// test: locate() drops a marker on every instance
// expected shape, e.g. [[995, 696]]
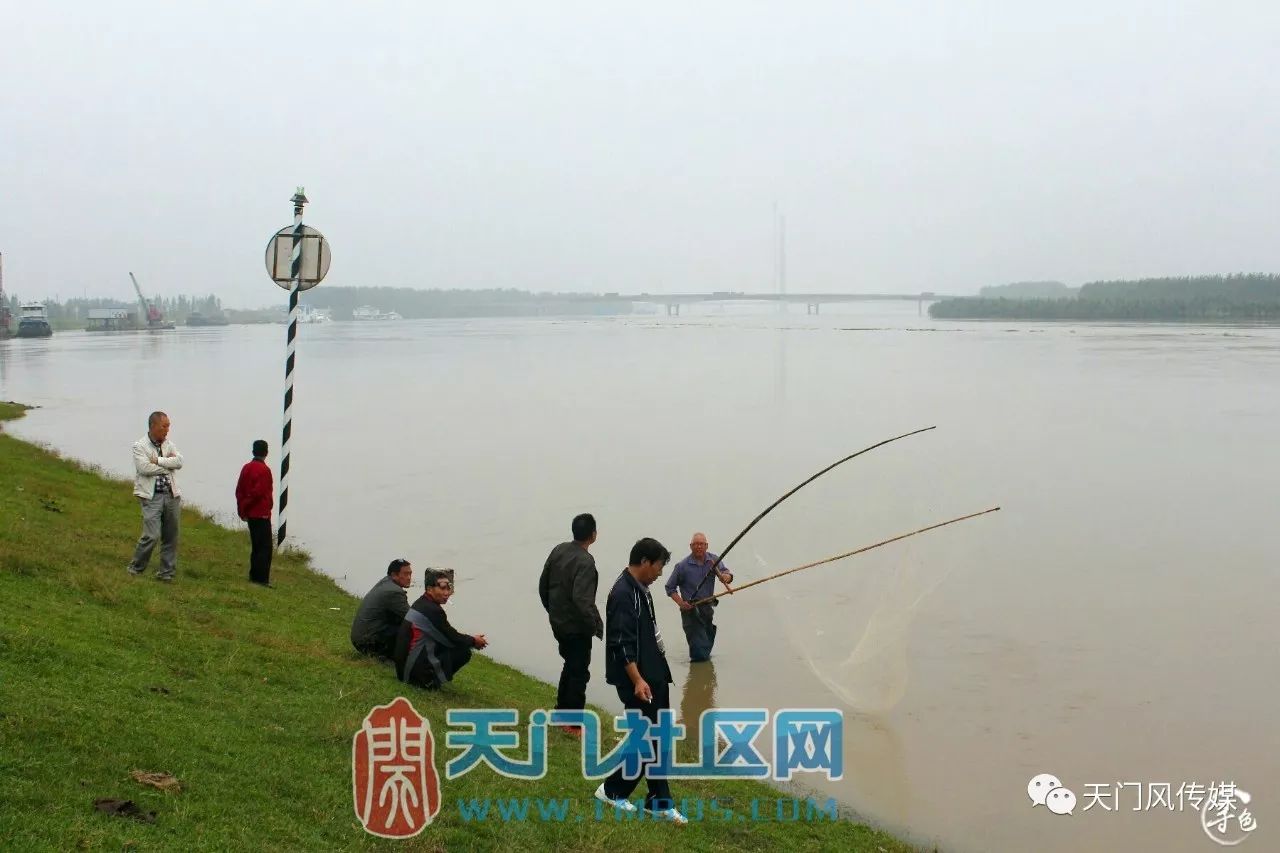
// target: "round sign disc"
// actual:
[[315, 258]]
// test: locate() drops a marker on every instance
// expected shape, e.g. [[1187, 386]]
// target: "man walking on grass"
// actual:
[[637, 667]]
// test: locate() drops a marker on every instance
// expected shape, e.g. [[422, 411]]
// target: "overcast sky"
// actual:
[[640, 147]]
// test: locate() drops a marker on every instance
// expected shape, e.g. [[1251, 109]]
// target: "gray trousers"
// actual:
[[700, 630], [160, 516]]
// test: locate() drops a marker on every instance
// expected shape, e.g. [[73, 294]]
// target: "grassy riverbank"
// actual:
[[249, 696]]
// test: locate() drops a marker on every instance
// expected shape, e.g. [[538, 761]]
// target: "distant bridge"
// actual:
[[812, 301]]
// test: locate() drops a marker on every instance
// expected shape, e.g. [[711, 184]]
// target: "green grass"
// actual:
[[249, 696]]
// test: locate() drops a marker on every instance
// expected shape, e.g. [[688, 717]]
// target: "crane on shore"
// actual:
[[152, 313]]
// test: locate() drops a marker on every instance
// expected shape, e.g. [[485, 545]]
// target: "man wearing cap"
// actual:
[[373, 632], [429, 651]]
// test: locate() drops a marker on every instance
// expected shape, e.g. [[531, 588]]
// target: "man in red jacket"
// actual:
[[253, 501]]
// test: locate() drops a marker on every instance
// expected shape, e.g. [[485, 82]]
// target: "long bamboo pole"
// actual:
[[771, 506], [846, 554]]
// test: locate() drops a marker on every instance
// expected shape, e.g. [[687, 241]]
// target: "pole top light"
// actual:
[[307, 242]]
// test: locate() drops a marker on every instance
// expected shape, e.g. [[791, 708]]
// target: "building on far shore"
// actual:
[[112, 320]]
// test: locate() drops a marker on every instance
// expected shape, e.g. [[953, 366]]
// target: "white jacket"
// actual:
[[144, 485]]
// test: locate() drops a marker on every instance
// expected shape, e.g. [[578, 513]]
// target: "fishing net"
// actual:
[[852, 630], [852, 623]]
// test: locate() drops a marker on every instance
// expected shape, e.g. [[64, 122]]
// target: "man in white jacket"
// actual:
[[156, 488]]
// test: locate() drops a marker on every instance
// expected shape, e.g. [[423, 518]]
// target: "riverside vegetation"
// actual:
[[249, 697], [1240, 298]]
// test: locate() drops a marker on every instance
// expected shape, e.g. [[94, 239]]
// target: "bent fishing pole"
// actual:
[[847, 554], [771, 506]]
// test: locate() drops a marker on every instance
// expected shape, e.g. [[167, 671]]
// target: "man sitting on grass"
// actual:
[[429, 651], [377, 622]]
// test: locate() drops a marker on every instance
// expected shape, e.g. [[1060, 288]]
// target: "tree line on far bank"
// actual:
[[1241, 297], [341, 302]]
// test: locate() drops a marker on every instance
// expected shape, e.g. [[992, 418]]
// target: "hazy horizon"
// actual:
[[579, 148]]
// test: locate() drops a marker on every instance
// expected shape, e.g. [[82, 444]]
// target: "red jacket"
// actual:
[[253, 491]]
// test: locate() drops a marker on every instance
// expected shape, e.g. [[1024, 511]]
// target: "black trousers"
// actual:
[[384, 646], [451, 660], [575, 649], [618, 788], [260, 553]]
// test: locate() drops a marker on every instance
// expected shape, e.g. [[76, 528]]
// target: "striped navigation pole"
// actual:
[[297, 259], [291, 344]]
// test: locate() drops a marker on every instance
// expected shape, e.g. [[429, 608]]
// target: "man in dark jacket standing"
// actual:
[[636, 665], [429, 651], [377, 622], [254, 495], [568, 591]]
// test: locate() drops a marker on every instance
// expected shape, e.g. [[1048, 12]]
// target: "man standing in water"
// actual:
[[568, 592], [636, 665], [155, 459], [691, 580]]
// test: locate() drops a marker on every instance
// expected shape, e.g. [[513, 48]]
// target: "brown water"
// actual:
[[1115, 622]]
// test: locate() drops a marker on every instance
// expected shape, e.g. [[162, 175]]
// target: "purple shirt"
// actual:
[[688, 572]]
